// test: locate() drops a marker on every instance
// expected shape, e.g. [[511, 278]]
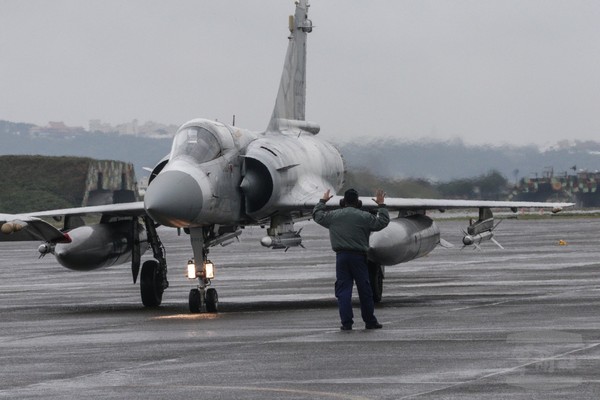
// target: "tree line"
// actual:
[[489, 186]]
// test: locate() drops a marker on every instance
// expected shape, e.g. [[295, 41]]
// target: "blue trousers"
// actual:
[[350, 268]]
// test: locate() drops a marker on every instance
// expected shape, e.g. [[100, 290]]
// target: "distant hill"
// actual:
[[141, 151], [395, 159], [444, 161]]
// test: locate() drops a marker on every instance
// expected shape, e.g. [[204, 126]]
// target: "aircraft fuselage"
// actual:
[[219, 174]]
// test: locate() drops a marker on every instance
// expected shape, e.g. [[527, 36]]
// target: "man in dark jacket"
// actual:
[[349, 229]]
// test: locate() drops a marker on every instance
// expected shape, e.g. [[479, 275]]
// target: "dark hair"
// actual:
[[351, 198]]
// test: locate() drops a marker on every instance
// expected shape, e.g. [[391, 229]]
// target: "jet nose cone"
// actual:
[[173, 198]]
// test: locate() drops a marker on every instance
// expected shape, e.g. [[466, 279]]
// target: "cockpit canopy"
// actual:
[[196, 142]]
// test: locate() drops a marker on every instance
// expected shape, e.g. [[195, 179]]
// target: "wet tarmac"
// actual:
[[519, 323]]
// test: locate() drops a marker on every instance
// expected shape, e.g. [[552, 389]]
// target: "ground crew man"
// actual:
[[349, 229]]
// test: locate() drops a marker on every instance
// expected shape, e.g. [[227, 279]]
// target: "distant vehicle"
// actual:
[[218, 179]]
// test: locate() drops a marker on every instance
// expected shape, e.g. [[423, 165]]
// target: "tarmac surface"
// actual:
[[519, 323]]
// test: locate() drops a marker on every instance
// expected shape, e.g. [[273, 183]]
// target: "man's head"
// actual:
[[351, 198]]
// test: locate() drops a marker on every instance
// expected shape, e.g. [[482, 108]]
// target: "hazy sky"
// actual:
[[495, 71]]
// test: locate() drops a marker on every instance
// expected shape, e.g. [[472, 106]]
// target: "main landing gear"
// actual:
[[202, 269], [153, 279]]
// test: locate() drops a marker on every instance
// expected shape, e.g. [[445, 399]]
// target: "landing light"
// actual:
[[208, 271], [191, 270]]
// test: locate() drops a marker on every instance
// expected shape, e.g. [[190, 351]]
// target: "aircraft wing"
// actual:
[[395, 203], [416, 204], [124, 209], [25, 228], [29, 226]]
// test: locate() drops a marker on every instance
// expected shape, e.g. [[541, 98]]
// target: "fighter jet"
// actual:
[[218, 179]]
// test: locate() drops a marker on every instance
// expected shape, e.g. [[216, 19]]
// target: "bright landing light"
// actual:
[[191, 271], [209, 270]]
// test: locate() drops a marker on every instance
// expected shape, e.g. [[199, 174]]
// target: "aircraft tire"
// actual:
[[212, 300], [376, 279], [195, 301], [150, 284]]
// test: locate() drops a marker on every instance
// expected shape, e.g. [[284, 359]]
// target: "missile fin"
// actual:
[[496, 243]]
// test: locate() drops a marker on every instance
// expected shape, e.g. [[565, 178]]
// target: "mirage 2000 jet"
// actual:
[[219, 178]]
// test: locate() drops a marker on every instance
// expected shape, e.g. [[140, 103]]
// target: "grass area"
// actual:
[[36, 183]]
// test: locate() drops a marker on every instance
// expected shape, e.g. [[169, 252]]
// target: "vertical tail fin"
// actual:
[[290, 103]]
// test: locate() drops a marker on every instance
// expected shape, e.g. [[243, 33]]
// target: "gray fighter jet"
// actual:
[[219, 178]]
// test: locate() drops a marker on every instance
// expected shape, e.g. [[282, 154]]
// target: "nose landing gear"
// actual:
[[201, 295], [203, 269]]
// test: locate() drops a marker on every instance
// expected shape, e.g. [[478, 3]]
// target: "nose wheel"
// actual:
[[195, 301], [208, 297], [212, 300]]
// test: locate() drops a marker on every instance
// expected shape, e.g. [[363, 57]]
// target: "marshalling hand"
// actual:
[[379, 197], [326, 196]]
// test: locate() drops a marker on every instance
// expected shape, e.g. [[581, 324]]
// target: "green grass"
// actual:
[[36, 183]]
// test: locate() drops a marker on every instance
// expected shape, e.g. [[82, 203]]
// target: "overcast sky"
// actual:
[[495, 71]]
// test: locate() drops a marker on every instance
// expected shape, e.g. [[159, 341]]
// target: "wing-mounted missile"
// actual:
[[281, 234], [283, 240], [224, 236], [481, 230]]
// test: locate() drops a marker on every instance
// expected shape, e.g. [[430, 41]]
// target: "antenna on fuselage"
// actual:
[[233, 123]]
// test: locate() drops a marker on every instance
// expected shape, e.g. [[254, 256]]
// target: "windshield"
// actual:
[[195, 142]]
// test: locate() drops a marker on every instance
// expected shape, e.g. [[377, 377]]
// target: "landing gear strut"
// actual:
[[153, 280], [202, 269]]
